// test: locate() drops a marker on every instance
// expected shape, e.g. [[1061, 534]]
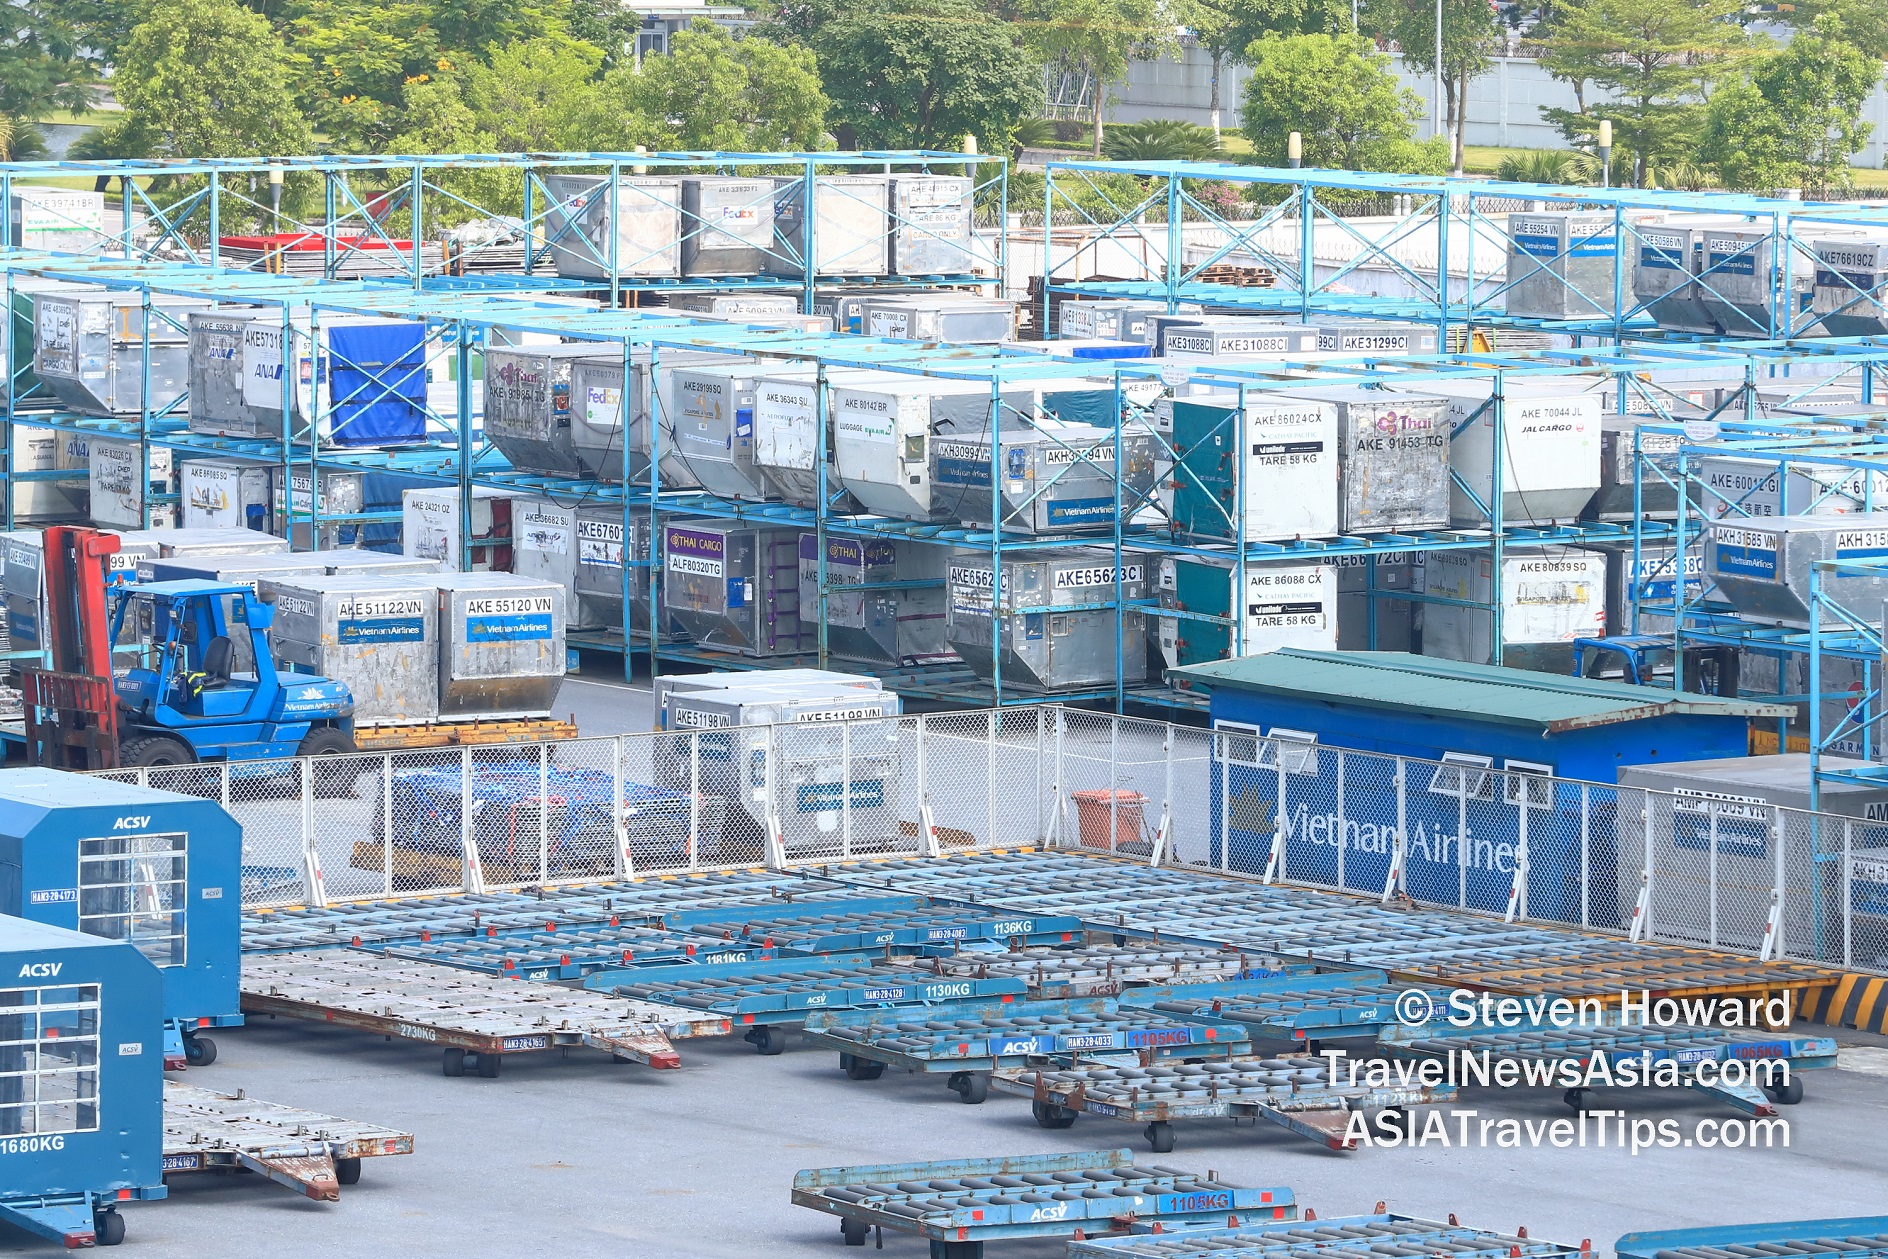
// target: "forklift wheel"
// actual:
[[153, 750], [333, 778]]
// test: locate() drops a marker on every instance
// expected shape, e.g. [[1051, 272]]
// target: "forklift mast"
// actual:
[[71, 707]]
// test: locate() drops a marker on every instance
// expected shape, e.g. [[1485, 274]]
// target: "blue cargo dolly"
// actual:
[[1107, 970], [960, 1204], [768, 997], [1295, 1093], [842, 928], [296, 929], [573, 952], [1378, 1234], [1305, 1007], [1858, 1237], [969, 1040], [1634, 1048]]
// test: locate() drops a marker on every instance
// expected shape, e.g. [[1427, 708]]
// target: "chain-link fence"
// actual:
[[1459, 833]]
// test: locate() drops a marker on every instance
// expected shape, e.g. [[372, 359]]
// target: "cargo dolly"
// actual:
[[556, 952], [768, 998], [969, 1040], [1106, 970], [311, 1153], [465, 1013], [1301, 1007], [298, 928], [960, 1204], [842, 929], [1295, 1093], [1633, 1047], [1858, 1237], [1344, 1237]]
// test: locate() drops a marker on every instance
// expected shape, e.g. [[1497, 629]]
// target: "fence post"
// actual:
[[1517, 890], [1642, 912], [314, 883], [694, 797], [1163, 834], [544, 811], [1848, 893], [471, 864], [223, 784], [1392, 881], [1275, 863], [845, 788], [1225, 800], [990, 775], [625, 859], [927, 823], [775, 841], [386, 821], [1343, 838], [1773, 928], [1586, 845], [1059, 810], [1042, 830]]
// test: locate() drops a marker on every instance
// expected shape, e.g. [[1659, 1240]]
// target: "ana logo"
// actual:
[[132, 822], [41, 970]]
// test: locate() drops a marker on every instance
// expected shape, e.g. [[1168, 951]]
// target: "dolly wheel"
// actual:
[[109, 1228], [854, 1232], [1049, 1115], [454, 1064], [971, 1086], [770, 1041], [199, 1051], [347, 1171], [1160, 1137], [863, 1068], [1785, 1094], [488, 1066], [1576, 1098]]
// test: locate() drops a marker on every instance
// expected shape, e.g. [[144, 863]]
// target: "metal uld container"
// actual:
[[241, 569], [735, 589], [1041, 647], [581, 549], [1057, 478], [120, 483], [53, 499], [1392, 459], [711, 416], [1285, 605], [1762, 566], [652, 410], [1550, 597], [1367, 336], [1736, 487], [845, 307], [529, 403], [882, 431], [342, 493], [501, 645], [727, 225], [860, 624], [364, 376], [1851, 284], [224, 494], [821, 755], [1561, 264], [1280, 484], [787, 423], [216, 371], [1119, 320], [689, 683], [931, 225], [379, 635], [944, 318], [1550, 452], [430, 521], [1650, 582], [648, 235], [1737, 271], [851, 225], [89, 349], [730, 305], [1657, 496], [57, 220], [1665, 272]]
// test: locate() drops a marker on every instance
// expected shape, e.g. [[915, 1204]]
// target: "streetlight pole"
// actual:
[[1439, 76], [1605, 147]]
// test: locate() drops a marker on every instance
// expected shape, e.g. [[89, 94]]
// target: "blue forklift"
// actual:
[[182, 702]]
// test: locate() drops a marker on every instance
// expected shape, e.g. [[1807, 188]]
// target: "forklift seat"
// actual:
[[217, 659]]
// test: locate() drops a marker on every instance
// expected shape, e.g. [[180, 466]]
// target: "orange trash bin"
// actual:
[[1107, 819]]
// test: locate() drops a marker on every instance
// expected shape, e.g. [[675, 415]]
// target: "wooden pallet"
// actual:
[[461, 734]]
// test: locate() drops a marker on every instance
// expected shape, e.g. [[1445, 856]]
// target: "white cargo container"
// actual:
[[1549, 597], [712, 413], [501, 645], [1272, 471], [1550, 451], [1735, 488], [883, 431], [1762, 566], [430, 528], [851, 225], [377, 634], [647, 215], [120, 491], [787, 422], [931, 226], [1284, 605], [224, 494]]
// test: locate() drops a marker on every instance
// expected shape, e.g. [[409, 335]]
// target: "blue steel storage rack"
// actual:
[[959, 1204], [460, 312], [126, 862], [81, 1083]]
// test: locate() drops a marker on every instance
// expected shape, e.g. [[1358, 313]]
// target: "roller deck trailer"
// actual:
[[463, 1012], [958, 1205], [558, 952], [1858, 1237], [1302, 1007], [1106, 970], [1631, 1048], [767, 998], [296, 928], [1295, 1093], [1432, 945], [1343, 1237], [968, 1040], [844, 928], [311, 1153]]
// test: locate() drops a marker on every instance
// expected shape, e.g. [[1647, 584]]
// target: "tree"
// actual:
[[1096, 39], [716, 92], [1226, 28], [1339, 93], [1471, 33], [1655, 59], [539, 94], [204, 78], [924, 74], [351, 59], [1864, 22], [1797, 119], [1160, 140], [42, 67]]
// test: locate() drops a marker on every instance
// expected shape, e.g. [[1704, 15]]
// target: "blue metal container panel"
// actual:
[[377, 389], [48, 817], [107, 997]]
